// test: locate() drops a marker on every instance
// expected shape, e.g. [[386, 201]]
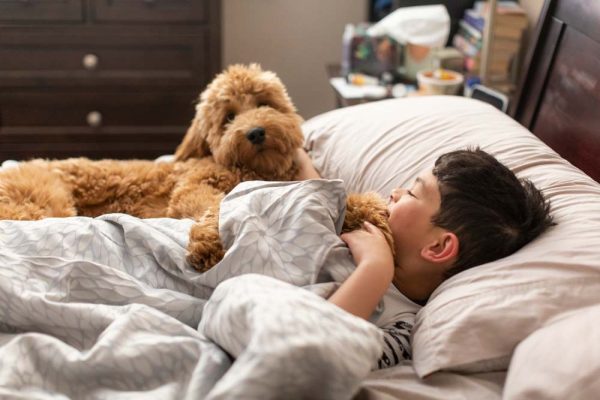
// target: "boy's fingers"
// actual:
[[349, 236], [346, 237], [369, 226]]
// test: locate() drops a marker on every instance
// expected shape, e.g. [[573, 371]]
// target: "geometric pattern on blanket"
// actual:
[[287, 341], [108, 308], [286, 230]]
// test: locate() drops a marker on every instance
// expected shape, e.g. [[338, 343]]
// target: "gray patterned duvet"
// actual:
[[108, 307]]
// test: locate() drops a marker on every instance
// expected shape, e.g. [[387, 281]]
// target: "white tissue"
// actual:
[[423, 25]]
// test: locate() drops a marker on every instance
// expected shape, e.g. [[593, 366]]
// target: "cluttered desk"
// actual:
[[405, 54], [354, 90]]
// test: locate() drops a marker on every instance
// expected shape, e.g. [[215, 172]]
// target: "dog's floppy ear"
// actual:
[[193, 144]]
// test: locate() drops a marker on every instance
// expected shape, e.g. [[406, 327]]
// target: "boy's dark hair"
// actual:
[[491, 211]]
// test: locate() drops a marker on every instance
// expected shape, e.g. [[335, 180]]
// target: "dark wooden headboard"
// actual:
[[559, 94]]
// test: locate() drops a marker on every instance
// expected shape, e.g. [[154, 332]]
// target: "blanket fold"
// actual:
[[108, 308]]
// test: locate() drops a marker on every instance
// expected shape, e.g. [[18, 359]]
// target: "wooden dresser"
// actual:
[[102, 78]]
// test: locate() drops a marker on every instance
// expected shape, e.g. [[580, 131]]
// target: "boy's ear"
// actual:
[[444, 249]]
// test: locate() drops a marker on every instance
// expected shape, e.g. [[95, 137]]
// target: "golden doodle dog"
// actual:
[[245, 128]]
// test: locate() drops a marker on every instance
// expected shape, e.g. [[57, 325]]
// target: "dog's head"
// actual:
[[245, 119]]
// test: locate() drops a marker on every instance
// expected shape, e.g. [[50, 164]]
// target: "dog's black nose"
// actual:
[[256, 135]]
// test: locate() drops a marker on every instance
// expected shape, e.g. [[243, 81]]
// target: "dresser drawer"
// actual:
[[18, 11], [62, 124], [149, 10], [97, 111], [145, 142], [46, 58]]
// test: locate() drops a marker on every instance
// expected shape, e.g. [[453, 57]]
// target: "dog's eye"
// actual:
[[230, 117]]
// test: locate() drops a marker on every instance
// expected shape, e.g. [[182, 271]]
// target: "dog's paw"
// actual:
[[362, 207], [203, 259], [370, 207], [204, 248]]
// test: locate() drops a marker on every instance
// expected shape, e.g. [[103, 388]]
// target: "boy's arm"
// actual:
[[305, 166], [362, 291], [396, 337]]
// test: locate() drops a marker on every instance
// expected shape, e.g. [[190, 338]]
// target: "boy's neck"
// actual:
[[417, 290]]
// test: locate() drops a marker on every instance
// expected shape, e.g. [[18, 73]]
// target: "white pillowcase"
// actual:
[[559, 361], [474, 320]]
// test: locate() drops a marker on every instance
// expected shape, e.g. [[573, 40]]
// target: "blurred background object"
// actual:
[[266, 32], [421, 30], [380, 8], [493, 50]]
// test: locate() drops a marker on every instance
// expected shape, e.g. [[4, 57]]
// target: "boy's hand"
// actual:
[[364, 288], [369, 245]]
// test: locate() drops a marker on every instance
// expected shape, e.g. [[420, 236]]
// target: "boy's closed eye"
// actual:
[[398, 193]]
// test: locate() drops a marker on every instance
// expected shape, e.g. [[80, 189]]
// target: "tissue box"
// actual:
[[371, 55]]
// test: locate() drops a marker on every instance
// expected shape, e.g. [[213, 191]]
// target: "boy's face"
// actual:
[[411, 211]]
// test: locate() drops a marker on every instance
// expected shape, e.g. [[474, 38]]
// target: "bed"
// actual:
[[108, 308]]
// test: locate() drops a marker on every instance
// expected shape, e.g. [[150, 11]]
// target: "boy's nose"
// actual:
[[396, 194]]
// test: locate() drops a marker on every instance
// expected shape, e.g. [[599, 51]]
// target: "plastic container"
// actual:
[[440, 82]]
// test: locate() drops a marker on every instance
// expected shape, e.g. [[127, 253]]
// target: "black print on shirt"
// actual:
[[396, 344]]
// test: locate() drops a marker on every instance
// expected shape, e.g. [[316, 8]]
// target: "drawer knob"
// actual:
[[94, 119], [90, 61]]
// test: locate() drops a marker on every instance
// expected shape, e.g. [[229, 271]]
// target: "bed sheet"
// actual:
[[402, 382]]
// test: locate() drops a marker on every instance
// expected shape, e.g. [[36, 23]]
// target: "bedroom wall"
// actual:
[[296, 39]]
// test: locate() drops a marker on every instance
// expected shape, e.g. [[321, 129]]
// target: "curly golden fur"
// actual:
[[370, 207], [245, 127]]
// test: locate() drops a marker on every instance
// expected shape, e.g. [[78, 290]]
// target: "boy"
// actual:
[[469, 210]]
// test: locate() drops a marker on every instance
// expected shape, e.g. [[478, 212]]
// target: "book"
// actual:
[[468, 29], [503, 49], [474, 19], [510, 22], [509, 16], [465, 46], [470, 34]]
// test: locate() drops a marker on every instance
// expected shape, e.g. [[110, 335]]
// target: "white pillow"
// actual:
[[559, 361], [474, 320]]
